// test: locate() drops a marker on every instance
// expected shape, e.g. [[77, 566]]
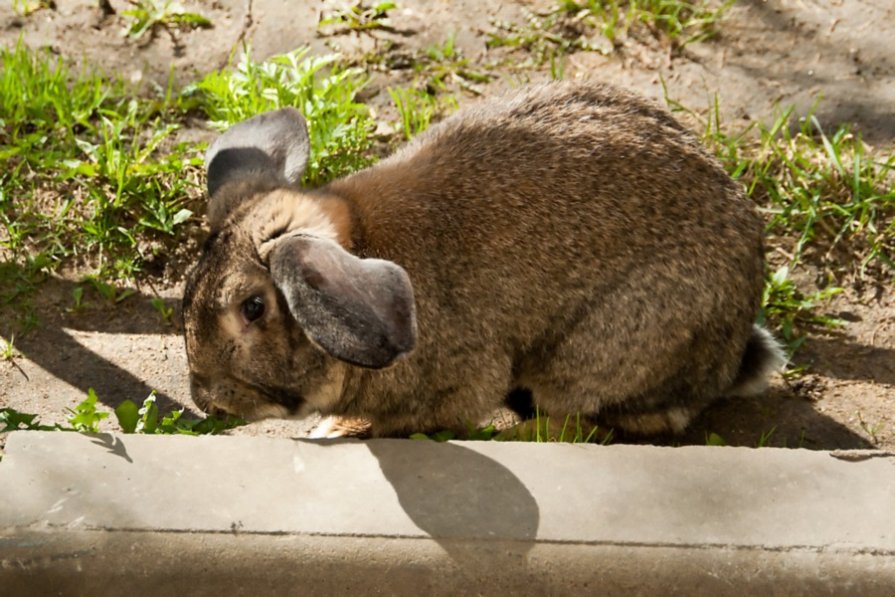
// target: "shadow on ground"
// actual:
[[54, 345], [780, 419]]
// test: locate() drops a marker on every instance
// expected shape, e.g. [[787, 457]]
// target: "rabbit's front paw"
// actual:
[[335, 426]]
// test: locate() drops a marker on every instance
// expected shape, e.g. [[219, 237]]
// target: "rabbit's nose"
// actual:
[[203, 396]]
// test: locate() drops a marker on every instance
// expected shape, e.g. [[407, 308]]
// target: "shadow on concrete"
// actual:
[[468, 503], [113, 444]]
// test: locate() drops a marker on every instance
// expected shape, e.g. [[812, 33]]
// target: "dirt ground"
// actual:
[[770, 53]]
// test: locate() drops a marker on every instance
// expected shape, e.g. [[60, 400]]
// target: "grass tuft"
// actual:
[[417, 108], [443, 65], [92, 176], [27, 7], [357, 17], [603, 25], [148, 16], [321, 87], [541, 429], [831, 192], [792, 312]]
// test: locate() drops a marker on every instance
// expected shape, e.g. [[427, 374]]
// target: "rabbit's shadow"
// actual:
[[460, 497]]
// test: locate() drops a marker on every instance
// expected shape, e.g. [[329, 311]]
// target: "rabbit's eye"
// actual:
[[252, 308]]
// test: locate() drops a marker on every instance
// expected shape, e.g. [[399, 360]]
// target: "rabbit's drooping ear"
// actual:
[[358, 310], [263, 152]]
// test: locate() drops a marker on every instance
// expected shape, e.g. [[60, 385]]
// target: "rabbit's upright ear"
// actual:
[[357, 310], [264, 152]]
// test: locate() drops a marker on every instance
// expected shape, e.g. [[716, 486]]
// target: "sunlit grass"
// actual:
[[321, 87], [90, 167], [604, 25]]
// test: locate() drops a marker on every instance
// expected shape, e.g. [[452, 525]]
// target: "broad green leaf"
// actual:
[[128, 415]]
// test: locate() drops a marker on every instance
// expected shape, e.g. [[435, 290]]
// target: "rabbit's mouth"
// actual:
[[249, 401], [262, 404], [285, 398]]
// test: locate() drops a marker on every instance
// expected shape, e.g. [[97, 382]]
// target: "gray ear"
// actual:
[[266, 151], [358, 310]]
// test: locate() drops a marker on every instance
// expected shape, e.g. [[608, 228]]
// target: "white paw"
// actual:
[[335, 426]]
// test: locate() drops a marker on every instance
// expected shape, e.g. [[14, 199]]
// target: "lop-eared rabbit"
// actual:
[[573, 240]]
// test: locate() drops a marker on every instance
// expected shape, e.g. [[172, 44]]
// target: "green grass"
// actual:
[[832, 193], [92, 175], [357, 16], [547, 36], [86, 417], [443, 66], [7, 348], [438, 71], [26, 7], [417, 108], [95, 182], [321, 87], [763, 440], [682, 21], [872, 430], [829, 202], [792, 312], [542, 429], [166, 313]]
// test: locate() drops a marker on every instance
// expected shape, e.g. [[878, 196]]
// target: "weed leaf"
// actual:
[[128, 415], [84, 417]]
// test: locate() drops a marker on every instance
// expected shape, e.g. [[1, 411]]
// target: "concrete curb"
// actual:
[[242, 515]]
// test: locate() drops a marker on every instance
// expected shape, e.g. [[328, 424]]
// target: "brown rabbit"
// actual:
[[570, 239]]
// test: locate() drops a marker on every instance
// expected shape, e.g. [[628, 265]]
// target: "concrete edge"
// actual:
[[96, 562], [86, 514]]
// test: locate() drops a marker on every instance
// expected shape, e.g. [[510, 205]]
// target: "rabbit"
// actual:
[[569, 239]]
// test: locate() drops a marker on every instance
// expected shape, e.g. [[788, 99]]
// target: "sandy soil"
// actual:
[[768, 54]]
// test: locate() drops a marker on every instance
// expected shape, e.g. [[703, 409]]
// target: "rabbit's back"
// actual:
[[574, 161], [564, 184]]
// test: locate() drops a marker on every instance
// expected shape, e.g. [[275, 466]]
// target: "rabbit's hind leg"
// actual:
[[636, 382], [672, 420]]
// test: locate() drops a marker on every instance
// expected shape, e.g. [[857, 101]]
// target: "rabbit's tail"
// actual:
[[762, 357]]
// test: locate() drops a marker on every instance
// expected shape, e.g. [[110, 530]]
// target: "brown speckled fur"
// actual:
[[570, 239]]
